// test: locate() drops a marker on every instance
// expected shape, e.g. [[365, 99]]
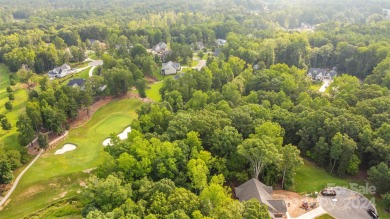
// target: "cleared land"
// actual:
[[54, 177]]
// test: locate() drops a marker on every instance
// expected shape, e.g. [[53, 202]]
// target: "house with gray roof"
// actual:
[[170, 68], [319, 74], [254, 189], [160, 47]]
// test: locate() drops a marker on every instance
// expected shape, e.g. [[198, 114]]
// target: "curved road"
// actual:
[[4, 199]]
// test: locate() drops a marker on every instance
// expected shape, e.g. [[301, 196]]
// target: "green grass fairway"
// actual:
[[56, 176], [154, 91], [8, 139]]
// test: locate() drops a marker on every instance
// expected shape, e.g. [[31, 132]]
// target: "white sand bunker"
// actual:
[[66, 148], [107, 142], [121, 136]]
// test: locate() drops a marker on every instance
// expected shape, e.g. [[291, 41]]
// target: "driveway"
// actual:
[[200, 65], [326, 83], [313, 213], [94, 64], [346, 204]]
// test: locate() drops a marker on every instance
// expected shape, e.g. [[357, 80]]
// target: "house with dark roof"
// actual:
[[254, 189], [76, 83], [160, 47], [170, 68], [319, 74]]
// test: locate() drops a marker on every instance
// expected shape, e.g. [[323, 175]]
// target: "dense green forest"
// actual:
[[250, 112]]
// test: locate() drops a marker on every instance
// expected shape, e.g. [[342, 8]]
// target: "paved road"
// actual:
[[2, 201]]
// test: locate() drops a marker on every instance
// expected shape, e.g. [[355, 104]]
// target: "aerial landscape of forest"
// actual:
[[194, 109]]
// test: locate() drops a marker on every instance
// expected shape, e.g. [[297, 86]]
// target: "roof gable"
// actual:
[[78, 81]]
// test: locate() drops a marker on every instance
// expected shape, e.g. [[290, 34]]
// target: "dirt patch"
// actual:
[[294, 201], [31, 191], [136, 96], [150, 80], [61, 196]]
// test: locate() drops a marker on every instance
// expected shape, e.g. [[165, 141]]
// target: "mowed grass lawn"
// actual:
[[83, 74], [8, 139], [154, 91], [57, 176]]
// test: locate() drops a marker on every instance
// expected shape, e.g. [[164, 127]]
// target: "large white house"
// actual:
[[61, 71], [170, 68], [319, 74]]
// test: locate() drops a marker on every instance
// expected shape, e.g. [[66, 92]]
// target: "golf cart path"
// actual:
[[16, 182], [18, 178]]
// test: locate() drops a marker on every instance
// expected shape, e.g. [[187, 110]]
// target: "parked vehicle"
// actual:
[[328, 192], [372, 214]]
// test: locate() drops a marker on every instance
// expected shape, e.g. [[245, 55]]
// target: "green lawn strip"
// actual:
[[316, 85], [8, 139], [4, 77], [194, 63], [79, 64], [311, 178], [92, 55], [83, 74], [154, 91], [112, 118], [325, 216]]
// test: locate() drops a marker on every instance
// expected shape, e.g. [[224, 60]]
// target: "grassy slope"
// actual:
[[315, 86], [8, 139], [311, 178], [53, 175], [154, 91]]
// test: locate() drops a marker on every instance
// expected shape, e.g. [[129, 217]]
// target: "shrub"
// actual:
[[386, 201], [11, 96], [9, 89], [8, 105]]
